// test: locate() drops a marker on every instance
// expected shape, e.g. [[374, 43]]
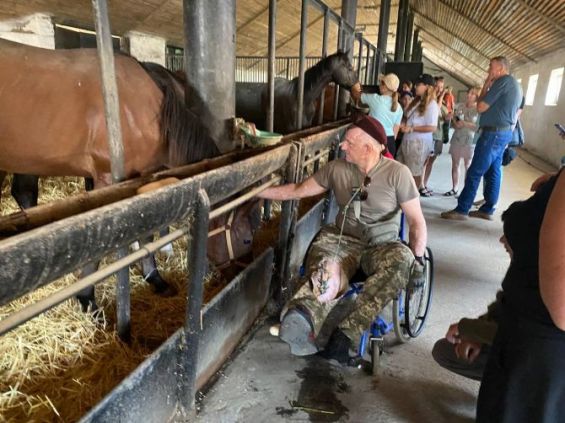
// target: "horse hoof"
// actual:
[[166, 290]]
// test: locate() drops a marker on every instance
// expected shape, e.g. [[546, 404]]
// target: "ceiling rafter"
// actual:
[[429, 34], [421, 14], [445, 68], [542, 16], [485, 31]]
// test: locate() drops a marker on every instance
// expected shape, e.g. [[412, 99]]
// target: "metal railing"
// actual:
[[255, 68]]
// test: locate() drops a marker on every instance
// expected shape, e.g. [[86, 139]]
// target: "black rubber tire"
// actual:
[[417, 304]]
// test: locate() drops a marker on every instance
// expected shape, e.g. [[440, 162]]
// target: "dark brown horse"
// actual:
[[252, 98], [52, 119]]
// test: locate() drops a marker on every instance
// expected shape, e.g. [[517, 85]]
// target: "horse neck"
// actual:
[[315, 80]]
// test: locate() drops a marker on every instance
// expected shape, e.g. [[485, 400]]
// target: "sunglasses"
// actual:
[[363, 194]]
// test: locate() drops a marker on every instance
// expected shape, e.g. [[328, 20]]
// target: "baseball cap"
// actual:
[[390, 80], [425, 78]]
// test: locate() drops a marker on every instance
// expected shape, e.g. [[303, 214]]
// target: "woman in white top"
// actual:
[[421, 121], [384, 106], [465, 116]]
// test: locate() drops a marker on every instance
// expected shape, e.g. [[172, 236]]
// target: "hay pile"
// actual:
[[60, 364]]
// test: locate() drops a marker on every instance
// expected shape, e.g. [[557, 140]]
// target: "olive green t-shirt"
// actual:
[[379, 215]]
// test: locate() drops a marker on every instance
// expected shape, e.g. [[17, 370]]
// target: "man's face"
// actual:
[[354, 146], [494, 69]]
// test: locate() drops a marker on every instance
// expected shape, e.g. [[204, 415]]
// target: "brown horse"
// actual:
[[52, 120], [52, 115]]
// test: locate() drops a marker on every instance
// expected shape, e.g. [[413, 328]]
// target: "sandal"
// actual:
[[430, 191], [424, 192], [450, 193]]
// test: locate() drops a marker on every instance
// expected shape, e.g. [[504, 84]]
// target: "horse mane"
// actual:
[[186, 136], [321, 71]]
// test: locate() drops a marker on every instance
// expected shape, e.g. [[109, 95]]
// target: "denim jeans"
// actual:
[[487, 163]]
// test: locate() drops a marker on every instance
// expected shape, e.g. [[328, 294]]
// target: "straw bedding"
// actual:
[[60, 364]]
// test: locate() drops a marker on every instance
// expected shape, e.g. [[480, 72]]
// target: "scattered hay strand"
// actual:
[[62, 363]]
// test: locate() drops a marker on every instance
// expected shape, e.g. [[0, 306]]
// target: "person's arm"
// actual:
[[395, 129], [552, 255], [540, 181], [307, 188], [418, 234], [483, 106]]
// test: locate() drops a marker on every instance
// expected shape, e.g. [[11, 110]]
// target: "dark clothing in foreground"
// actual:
[[524, 380]]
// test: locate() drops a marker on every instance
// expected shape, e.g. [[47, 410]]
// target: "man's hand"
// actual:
[[452, 334], [467, 350], [356, 91]]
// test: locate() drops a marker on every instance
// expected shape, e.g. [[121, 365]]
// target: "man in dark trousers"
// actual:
[[498, 103]]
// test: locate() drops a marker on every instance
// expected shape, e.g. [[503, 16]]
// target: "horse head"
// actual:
[[342, 70]]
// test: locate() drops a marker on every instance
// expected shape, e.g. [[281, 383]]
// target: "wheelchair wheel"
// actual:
[[411, 308]]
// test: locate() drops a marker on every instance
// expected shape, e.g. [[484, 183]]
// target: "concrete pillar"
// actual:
[[34, 30], [401, 31], [409, 28], [349, 14], [384, 18], [209, 62], [145, 47]]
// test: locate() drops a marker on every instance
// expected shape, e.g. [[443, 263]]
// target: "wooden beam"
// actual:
[[429, 19], [434, 61], [427, 33], [489, 33], [542, 16]]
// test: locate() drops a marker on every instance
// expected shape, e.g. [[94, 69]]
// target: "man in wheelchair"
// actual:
[[371, 190]]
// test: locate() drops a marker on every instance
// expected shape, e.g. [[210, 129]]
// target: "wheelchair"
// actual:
[[410, 310]]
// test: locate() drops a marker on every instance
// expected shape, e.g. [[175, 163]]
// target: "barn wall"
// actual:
[[146, 48], [541, 137], [35, 30]]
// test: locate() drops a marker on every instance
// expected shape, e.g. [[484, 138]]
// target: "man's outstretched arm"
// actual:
[[418, 232], [307, 188]]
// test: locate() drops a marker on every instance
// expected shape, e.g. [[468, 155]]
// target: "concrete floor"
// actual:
[[263, 378]]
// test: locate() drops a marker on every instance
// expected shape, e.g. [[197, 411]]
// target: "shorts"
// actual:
[[459, 152], [414, 153], [438, 147]]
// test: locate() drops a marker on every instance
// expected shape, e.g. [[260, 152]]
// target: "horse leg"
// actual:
[[151, 274], [86, 296], [25, 190]]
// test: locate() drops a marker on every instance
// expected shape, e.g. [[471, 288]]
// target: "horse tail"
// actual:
[[187, 138]]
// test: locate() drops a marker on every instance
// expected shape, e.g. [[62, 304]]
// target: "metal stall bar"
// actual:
[[367, 60], [29, 312], [360, 39], [271, 84], [193, 323], [301, 70], [339, 47], [324, 55], [382, 38], [115, 145], [271, 73]]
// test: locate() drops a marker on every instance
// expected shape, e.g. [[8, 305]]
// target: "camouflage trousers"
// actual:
[[387, 265]]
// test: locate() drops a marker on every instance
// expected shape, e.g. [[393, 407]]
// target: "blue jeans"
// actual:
[[487, 162]]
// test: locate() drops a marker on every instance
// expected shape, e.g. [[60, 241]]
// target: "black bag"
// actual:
[[508, 155], [517, 136]]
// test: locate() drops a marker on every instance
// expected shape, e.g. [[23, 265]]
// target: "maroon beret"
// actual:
[[372, 127]]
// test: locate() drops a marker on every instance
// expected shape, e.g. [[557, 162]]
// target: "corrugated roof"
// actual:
[[458, 35]]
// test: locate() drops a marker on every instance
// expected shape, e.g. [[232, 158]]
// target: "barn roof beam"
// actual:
[[435, 61], [420, 14], [485, 31], [542, 16], [442, 43]]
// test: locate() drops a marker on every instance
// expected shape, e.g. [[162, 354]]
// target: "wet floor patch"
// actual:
[[320, 384]]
